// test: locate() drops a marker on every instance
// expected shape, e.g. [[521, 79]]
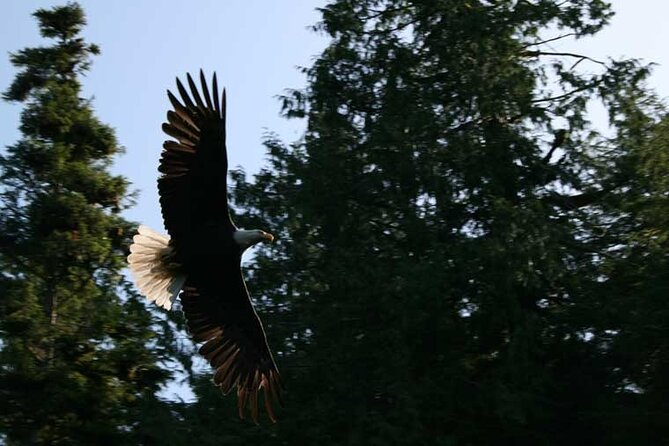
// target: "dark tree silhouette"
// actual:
[[77, 363], [461, 257]]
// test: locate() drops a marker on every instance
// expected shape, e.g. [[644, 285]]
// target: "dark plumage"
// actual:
[[203, 254]]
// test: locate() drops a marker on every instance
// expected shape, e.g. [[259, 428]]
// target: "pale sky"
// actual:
[[255, 47]]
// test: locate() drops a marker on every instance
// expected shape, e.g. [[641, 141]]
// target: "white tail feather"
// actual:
[[154, 279]]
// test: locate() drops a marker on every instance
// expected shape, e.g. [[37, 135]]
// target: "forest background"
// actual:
[[472, 226]]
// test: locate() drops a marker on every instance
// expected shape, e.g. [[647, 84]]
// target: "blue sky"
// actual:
[[255, 47]]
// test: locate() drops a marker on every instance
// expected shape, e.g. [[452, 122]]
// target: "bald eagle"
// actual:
[[200, 260]]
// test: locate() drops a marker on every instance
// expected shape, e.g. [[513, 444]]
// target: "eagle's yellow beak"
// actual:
[[268, 237]]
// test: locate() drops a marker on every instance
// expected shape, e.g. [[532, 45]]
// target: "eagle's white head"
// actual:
[[246, 239]]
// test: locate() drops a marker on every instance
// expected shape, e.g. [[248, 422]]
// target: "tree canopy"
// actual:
[[79, 355], [463, 256]]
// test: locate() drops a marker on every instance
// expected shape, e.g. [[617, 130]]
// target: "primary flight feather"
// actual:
[[200, 260]]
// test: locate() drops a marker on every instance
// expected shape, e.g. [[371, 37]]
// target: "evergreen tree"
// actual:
[[77, 367], [634, 283], [461, 257]]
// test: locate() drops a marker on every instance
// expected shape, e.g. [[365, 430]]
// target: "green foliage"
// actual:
[[461, 257], [76, 362]]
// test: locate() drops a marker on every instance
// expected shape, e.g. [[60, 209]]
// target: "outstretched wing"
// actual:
[[193, 198], [234, 340], [193, 187]]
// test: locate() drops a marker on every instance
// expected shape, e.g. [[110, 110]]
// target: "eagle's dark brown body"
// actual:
[[207, 247]]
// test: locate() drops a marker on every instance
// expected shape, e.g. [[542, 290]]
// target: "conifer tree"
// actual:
[[448, 265], [76, 363]]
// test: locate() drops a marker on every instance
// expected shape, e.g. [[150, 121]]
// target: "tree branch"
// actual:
[[567, 94], [562, 54], [571, 202], [541, 42], [559, 139]]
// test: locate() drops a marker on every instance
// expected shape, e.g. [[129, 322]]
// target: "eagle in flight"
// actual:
[[200, 261]]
